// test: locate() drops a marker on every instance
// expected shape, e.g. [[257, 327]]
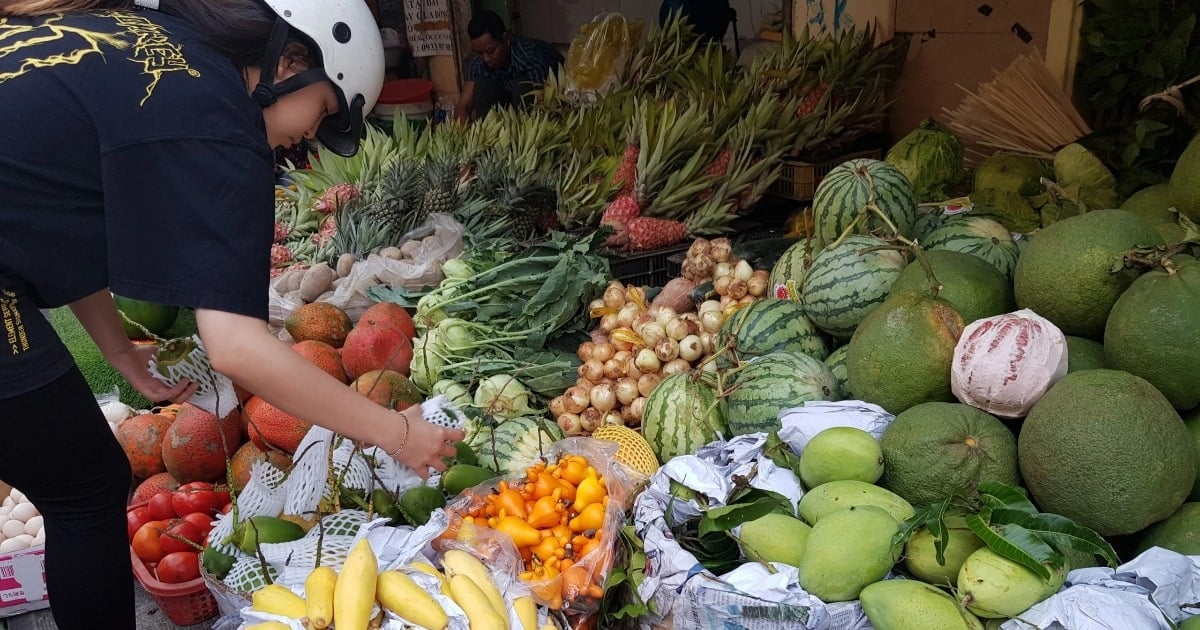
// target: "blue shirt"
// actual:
[[133, 158], [529, 60]]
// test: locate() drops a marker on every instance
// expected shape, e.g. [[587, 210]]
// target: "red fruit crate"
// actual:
[[185, 604]]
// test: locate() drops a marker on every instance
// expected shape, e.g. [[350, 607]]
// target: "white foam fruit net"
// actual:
[[321, 456]]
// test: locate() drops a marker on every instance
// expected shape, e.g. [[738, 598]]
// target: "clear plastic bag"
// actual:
[[439, 240], [570, 590], [598, 53]]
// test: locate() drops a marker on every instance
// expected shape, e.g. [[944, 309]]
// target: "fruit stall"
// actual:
[[727, 351]]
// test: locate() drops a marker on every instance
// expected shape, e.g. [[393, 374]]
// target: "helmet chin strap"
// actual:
[[268, 91]]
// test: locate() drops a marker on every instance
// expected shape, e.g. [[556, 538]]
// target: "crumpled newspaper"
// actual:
[[1138, 595], [751, 596]]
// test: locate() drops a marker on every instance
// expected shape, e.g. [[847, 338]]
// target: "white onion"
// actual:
[[742, 271], [677, 329], [738, 289], [721, 270], [721, 284], [625, 315], [585, 350], [584, 384], [592, 369], [604, 351], [639, 318], [632, 371], [608, 322], [628, 418], [596, 305], [558, 406], [603, 397], [690, 348], [712, 320], [590, 419], [651, 332], [708, 341], [627, 390], [708, 305], [637, 407], [709, 366], [666, 349], [675, 366], [576, 399], [614, 369], [623, 356], [570, 423], [647, 383], [647, 361], [614, 297], [726, 302], [664, 314], [758, 283], [612, 418]]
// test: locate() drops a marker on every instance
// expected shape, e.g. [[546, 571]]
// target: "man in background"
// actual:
[[504, 68]]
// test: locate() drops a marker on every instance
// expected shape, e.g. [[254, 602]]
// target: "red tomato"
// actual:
[[227, 508], [177, 567], [161, 506], [179, 537], [135, 518], [146, 543], [198, 496], [202, 521]]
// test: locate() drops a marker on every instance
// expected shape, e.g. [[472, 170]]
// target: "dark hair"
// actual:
[[240, 29], [486, 22], [46, 7]]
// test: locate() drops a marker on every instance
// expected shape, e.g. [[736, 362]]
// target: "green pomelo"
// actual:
[[1107, 450], [1153, 204], [847, 551], [1154, 332], [1191, 623], [900, 355], [835, 496], [993, 586], [913, 605], [1015, 173], [836, 362], [1065, 275], [920, 553], [1192, 422], [775, 538], [156, 318], [935, 449], [840, 453], [974, 287], [1084, 354], [1180, 532], [1185, 185]]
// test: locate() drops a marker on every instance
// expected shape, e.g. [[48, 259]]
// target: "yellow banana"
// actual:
[[458, 562], [269, 625], [318, 593], [400, 594], [526, 612], [278, 600], [425, 567], [354, 592], [471, 599]]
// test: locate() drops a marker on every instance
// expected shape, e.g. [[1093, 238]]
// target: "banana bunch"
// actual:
[[348, 598]]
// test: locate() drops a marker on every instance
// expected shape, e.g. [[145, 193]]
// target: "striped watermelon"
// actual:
[[836, 362], [682, 414], [768, 326], [982, 238], [787, 276], [514, 444], [764, 387], [848, 188], [843, 286]]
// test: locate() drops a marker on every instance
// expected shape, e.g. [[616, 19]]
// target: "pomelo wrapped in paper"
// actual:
[[1004, 364]]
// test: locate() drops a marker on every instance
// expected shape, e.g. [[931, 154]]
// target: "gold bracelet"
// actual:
[[396, 452]]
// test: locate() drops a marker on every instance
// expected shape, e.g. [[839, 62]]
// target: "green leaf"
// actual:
[[781, 453], [1060, 532], [725, 518], [1003, 496], [932, 518], [1017, 544]]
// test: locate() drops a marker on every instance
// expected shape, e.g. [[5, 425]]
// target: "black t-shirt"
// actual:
[[131, 157]]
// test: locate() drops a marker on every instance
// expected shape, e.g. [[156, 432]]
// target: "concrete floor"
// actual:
[[149, 617]]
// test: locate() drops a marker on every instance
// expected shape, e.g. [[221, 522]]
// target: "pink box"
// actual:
[[23, 581]]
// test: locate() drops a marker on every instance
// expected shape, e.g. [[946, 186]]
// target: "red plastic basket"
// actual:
[[185, 604]]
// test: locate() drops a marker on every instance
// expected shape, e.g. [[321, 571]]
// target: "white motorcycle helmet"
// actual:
[[349, 52]]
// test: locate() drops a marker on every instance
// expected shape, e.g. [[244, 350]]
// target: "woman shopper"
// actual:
[[136, 155]]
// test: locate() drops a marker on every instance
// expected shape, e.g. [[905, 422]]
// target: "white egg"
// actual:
[[39, 539], [15, 544], [13, 528], [17, 496], [23, 512], [5, 511], [33, 525], [8, 500]]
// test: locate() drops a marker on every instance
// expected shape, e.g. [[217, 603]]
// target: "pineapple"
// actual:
[[355, 232], [395, 205], [441, 187]]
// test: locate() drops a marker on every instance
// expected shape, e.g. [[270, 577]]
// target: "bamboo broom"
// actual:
[[1022, 110]]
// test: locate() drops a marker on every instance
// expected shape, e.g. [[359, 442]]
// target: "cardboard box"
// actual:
[[22, 577]]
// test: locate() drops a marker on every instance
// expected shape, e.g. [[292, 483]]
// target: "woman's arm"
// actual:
[[100, 319], [242, 348]]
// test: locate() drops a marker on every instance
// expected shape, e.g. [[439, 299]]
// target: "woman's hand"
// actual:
[[425, 445], [133, 363]]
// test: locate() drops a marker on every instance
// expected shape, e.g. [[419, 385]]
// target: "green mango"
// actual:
[[848, 550], [418, 503], [839, 495], [774, 538], [460, 476], [913, 605], [248, 534], [993, 586], [920, 553], [216, 562]]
